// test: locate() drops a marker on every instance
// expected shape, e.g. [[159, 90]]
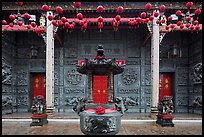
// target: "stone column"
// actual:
[[110, 87], [90, 87], [49, 67], [154, 67]]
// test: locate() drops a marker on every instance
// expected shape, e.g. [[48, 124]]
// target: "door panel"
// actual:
[[165, 85], [100, 88], [39, 84]]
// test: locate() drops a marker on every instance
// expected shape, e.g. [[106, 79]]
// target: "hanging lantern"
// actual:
[[188, 25], [174, 51], [59, 10], [120, 9], [197, 11], [181, 26], [167, 27], [20, 23], [50, 17], [37, 30], [162, 7], [192, 27], [189, 4], [151, 18], [172, 26], [81, 22], [158, 21], [148, 6], [45, 8], [195, 22], [138, 19], [100, 19], [4, 22], [66, 24], [80, 16], [11, 24], [156, 14], [77, 4], [143, 15], [163, 21], [26, 16], [28, 26], [179, 23], [117, 17], [188, 19], [63, 19], [33, 24], [100, 9], [170, 18], [178, 13], [197, 27], [12, 17], [19, 3], [61, 22]]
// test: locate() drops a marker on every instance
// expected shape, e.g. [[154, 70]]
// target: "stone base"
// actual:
[[50, 112], [39, 119], [165, 120], [154, 112]]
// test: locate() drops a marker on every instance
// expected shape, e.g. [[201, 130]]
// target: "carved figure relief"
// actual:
[[129, 76], [197, 102], [21, 78], [73, 77], [6, 73], [197, 73]]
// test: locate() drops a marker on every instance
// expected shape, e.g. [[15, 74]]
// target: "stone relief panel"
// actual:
[[145, 101], [74, 91], [182, 79], [6, 89], [56, 100], [182, 101], [198, 89], [146, 75], [72, 78], [182, 90], [22, 90], [130, 77], [196, 73], [6, 73], [22, 101], [71, 101], [22, 78], [128, 90]]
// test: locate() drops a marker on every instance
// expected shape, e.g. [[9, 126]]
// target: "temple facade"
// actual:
[[158, 62]]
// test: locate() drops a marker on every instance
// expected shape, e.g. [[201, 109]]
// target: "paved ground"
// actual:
[[141, 127], [131, 124]]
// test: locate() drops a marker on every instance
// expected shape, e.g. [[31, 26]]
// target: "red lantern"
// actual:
[[192, 27], [120, 9], [147, 20], [45, 8], [151, 18], [20, 23], [189, 4], [11, 24], [170, 18], [61, 22], [156, 14], [63, 19], [28, 27], [81, 22], [80, 16], [143, 15], [181, 26], [138, 19], [100, 19], [117, 17], [19, 3], [158, 21], [77, 4], [100, 9], [148, 6], [67, 24], [197, 11], [197, 27], [33, 24], [27, 16], [167, 27], [188, 25], [172, 26], [4, 22], [162, 7], [179, 23], [163, 20], [188, 18], [54, 22], [178, 13], [59, 10], [50, 17], [37, 30], [195, 22], [12, 17]]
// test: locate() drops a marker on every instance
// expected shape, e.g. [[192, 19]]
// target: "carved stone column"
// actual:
[[110, 87], [154, 67], [49, 67], [90, 88]]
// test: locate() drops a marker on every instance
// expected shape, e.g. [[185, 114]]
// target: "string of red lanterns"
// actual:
[[145, 17]]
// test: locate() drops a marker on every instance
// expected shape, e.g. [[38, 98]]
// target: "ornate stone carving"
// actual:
[[166, 105], [70, 101], [22, 101], [6, 73], [197, 102], [74, 90], [21, 78], [129, 76], [22, 91], [182, 101], [73, 77], [6, 101], [197, 73], [183, 79], [56, 102], [129, 91]]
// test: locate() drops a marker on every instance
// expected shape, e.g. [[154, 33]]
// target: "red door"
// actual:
[[39, 84], [100, 88], [165, 85]]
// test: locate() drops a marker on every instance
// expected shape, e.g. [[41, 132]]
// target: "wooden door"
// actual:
[[100, 88], [165, 85], [39, 84]]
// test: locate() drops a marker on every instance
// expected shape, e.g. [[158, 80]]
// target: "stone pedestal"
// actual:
[[39, 119], [50, 112], [165, 120]]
